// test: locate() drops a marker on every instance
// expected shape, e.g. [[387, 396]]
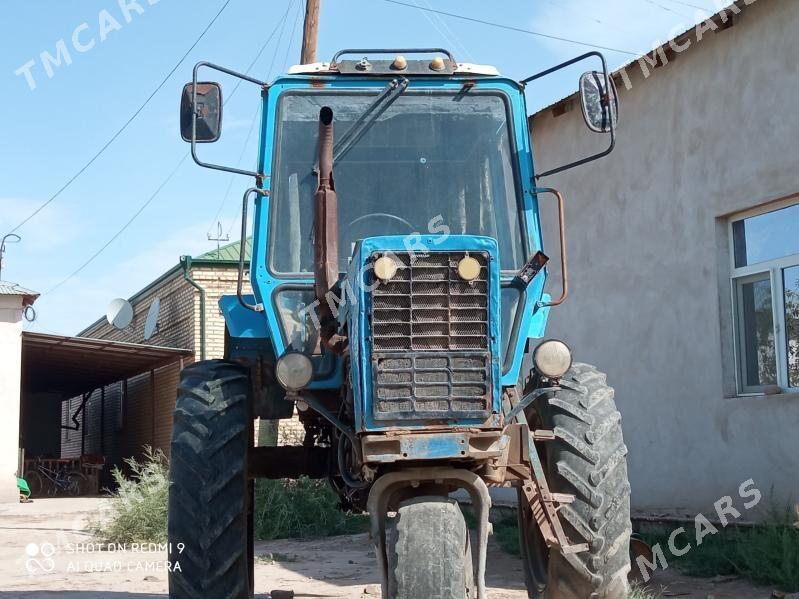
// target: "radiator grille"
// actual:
[[430, 385], [428, 307], [430, 333]]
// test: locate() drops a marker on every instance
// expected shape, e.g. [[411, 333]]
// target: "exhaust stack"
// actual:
[[326, 271]]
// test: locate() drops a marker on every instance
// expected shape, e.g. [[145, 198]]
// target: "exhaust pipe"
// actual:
[[326, 270]]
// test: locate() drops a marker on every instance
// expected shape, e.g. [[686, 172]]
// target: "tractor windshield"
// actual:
[[432, 159]]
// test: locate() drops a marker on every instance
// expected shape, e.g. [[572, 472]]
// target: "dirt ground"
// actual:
[[46, 553]]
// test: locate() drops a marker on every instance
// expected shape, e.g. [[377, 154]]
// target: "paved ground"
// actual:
[[46, 553]]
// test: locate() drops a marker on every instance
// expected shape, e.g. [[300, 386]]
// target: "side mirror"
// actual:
[[600, 106], [208, 110]]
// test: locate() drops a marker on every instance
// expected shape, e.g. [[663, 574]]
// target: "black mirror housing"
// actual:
[[208, 110], [600, 106]]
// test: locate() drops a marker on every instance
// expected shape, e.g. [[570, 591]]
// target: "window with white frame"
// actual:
[[765, 287]]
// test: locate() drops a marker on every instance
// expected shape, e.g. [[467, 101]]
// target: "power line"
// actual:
[[125, 126], [511, 28], [122, 229], [268, 76], [689, 5], [255, 116], [163, 183], [453, 39], [666, 8]]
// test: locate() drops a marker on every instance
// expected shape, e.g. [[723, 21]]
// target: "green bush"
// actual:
[[765, 554], [139, 505], [301, 508]]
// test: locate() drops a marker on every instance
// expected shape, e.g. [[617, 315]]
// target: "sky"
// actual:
[[119, 52]]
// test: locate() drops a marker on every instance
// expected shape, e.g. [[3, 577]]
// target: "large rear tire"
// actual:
[[428, 551], [208, 491], [586, 459]]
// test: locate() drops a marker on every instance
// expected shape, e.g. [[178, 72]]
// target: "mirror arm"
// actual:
[[586, 160], [262, 84], [568, 63], [563, 65]]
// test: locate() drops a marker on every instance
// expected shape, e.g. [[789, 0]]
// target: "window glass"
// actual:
[[432, 159], [790, 278], [766, 236], [294, 310], [760, 364]]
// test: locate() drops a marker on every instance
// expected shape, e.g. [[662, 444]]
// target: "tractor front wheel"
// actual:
[[428, 551], [587, 459], [209, 495]]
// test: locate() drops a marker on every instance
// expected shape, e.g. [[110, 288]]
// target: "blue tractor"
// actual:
[[404, 322]]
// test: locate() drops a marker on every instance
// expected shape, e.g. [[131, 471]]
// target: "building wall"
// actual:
[[10, 369], [711, 133]]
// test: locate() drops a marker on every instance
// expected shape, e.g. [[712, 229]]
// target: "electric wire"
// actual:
[[252, 64], [689, 5], [666, 8], [127, 123], [123, 228], [446, 32], [511, 28], [155, 194], [269, 75]]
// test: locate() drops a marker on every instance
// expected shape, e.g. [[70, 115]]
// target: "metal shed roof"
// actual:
[[229, 252], [74, 365], [8, 288]]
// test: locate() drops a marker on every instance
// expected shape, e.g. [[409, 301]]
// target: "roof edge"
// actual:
[[133, 298], [655, 57]]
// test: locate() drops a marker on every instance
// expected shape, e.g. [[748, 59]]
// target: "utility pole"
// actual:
[[310, 32]]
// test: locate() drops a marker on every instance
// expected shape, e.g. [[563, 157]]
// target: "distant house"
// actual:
[[119, 420], [684, 257]]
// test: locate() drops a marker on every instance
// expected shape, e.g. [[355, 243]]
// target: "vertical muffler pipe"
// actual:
[[325, 225]]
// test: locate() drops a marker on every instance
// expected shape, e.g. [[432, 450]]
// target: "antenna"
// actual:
[[218, 237], [151, 324], [14, 238], [119, 313]]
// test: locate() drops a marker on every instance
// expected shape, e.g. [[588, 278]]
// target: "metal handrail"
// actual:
[[243, 246], [563, 265], [362, 51]]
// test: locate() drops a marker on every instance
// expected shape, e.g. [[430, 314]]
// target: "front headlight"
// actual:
[[385, 268], [552, 358], [294, 371]]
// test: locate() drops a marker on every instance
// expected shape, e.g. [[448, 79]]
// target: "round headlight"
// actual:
[[468, 269], [385, 268], [552, 358], [294, 371]]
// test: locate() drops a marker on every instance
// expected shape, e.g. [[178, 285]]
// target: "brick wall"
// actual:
[[136, 412]]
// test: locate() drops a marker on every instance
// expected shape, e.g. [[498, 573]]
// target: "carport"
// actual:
[[61, 374]]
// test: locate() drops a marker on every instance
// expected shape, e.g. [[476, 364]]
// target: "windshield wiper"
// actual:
[[368, 117]]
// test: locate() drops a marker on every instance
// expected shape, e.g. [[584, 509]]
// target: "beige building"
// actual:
[[684, 258], [14, 300]]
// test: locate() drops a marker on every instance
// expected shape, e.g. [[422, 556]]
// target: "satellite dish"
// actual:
[[119, 313], [151, 324]]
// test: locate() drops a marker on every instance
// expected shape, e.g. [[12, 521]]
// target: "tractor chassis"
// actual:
[[512, 461]]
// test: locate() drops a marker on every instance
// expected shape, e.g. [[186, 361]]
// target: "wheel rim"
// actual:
[[535, 554]]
